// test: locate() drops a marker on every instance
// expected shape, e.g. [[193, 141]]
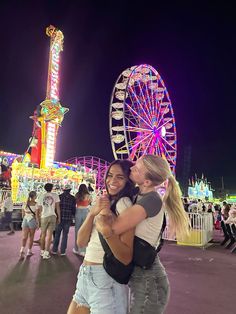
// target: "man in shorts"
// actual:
[[49, 210]]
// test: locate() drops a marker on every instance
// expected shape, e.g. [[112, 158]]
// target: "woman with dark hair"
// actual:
[[96, 291], [83, 201], [29, 224], [149, 283]]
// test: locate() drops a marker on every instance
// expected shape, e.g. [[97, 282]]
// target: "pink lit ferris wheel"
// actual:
[[141, 116]]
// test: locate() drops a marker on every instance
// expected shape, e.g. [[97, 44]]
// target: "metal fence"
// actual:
[[200, 234]]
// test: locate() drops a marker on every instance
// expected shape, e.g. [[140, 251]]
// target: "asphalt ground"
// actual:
[[203, 281]]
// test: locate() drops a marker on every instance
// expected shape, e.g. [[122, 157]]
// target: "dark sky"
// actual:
[[192, 46]]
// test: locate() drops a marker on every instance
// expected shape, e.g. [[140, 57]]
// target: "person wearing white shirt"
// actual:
[[7, 209], [49, 213]]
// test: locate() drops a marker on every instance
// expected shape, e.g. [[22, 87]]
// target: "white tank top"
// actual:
[[94, 251]]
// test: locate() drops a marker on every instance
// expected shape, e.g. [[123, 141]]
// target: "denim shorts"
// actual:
[[32, 224], [149, 289], [96, 290]]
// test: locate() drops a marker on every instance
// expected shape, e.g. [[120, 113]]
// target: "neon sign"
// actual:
[[51, 143], [54, 95]]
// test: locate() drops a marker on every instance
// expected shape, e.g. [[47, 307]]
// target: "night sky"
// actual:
[[192, 46]]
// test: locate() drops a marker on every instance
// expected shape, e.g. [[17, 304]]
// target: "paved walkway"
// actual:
[[202, 281]]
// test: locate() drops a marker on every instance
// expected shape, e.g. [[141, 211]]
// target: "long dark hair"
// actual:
[[32, 194], [129, 188], [83, 190]]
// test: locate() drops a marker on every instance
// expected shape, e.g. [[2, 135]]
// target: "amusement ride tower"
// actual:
[[49, 114]]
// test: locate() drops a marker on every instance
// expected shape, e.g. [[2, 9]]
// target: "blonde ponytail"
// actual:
[[158, 172], [178, 218]]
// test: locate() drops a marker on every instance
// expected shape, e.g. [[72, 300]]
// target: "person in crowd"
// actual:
[[92, 193], [224, 226], [49, 213], [200, 205], [5, 174], [232, 215], [225, 210], [67, 208], [186, 204], [83, 201], [90, 188], [96, 291], [29, 224], [193, 207], [7, 210], [210, 207], [149, 283], [227, 224], [217, 216]]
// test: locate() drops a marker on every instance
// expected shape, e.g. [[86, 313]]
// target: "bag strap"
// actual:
[[104, 244], [31, 210], [160, 239]]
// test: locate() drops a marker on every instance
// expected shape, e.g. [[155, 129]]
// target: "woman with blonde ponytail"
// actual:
[[178, 219], [149, 283]]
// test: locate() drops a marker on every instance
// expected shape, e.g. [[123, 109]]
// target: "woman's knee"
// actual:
[[24, 238], [43, 236], [31, 237]]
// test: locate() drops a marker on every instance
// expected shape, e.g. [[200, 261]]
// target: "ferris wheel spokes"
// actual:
[[138, 115], [141, 108], [163, 124], [168, 143], [144, 99], [136, 129], [147, 146], [170, 159], [159, 101], [148, 98], [141, 140]]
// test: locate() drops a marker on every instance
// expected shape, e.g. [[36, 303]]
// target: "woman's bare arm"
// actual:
[[122, 246], [85, 230], [129, 219], [84, 233]]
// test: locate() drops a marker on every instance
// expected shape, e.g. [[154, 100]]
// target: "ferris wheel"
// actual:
[[141, 116], [91, 163]]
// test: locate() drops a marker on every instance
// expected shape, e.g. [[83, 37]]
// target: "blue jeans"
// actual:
[[80, 216], [96, 290], [150, 289], [65, 227]]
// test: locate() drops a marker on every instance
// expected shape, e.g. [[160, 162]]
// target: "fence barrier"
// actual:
[[200, 234]]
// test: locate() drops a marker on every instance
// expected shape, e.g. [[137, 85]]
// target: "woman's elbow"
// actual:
[[126, 259], [81, 243]]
